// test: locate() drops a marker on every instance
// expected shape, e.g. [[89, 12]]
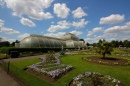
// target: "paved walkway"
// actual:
[[22, 58], [6, 79]]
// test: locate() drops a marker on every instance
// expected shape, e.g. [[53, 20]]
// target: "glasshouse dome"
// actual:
[[69, 41], [70, 36]]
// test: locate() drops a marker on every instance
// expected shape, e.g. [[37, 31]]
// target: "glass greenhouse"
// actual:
[[70, 36], [68, 40]]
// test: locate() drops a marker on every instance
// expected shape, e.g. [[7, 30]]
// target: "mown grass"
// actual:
[[30, 80], [119, 72], [80, 66]]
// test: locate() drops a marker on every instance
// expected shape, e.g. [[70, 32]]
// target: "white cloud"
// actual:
[[2, 3], [89, 40], [27, 22], [1, 23], [78, 13], [95, 39], [21, 36], [52, 22], [89, 33], [61, 10], [32, 8], [9, 30], [54, 28], [7, 39], [77, 33], [80, 23], [95, 30], [125, 38], [56, 35], [1, 38], [61, 25], [64, 23], [60, 34], [112, 19], [112, 33], [119, 29]]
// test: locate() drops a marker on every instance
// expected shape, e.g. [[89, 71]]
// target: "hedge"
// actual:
[[15, 52]]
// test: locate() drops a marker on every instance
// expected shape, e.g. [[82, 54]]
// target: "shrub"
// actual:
[[95, 79]]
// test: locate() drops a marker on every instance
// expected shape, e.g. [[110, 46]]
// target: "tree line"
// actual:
[[114, 43], [8, 44]]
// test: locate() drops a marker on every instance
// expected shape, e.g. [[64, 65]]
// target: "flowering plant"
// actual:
[[94, 79], [52, 68]]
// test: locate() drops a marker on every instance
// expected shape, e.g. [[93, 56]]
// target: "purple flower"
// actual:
[[87, 73]]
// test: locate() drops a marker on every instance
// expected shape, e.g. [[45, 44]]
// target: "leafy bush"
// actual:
[[4, 56], [95, 79], [5, 50]]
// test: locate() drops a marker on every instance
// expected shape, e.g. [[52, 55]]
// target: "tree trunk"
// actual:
[[103, 56]]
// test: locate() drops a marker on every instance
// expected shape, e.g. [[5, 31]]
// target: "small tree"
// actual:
[[50, 56], [104, 48]]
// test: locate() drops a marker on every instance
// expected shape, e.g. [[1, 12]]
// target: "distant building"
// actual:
[[67, 41]]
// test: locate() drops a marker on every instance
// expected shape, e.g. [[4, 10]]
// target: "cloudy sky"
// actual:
[[88, 19]]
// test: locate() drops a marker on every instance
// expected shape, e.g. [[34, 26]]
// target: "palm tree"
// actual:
[[104, 48]]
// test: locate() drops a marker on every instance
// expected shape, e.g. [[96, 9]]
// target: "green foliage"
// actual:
[[4, 44], [104, 47], [116, 43], [5, 50], [13, 43], [82, 40], [43, 50], [4, 56], [50, 56]]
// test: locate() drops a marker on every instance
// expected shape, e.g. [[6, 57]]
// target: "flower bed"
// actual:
[[52, 68], [94, 79], [108, 61]]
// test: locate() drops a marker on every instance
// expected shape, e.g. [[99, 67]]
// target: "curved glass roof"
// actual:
[[68, 40], [70, 36], [42, 41]]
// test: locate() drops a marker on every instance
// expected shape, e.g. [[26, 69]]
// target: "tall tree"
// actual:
[[4, 44], [13, 43], [104, 48], [117, 43], [87, 44], [126, 43], [113, 43], [82, 40], [121, 43]]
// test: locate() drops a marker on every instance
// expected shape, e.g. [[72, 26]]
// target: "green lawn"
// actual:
[[121, 73]]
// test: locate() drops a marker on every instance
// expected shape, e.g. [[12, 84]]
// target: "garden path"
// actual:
[[6, 79], [22, 58]]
